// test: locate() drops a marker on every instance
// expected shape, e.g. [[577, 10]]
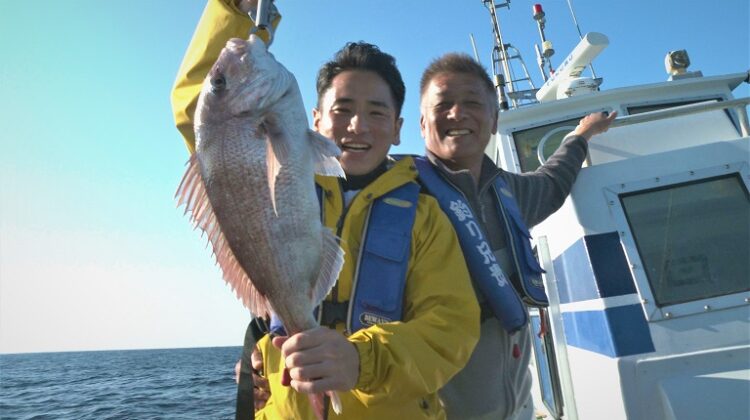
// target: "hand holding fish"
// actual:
[[261, 390], [319, 360]]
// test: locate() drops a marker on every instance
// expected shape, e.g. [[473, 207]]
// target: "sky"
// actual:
[[94, 254]]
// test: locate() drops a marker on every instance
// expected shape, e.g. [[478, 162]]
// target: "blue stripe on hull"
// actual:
[[593, 267], [614, 332]]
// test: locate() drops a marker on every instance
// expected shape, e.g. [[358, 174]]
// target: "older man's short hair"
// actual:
[[455, 63]]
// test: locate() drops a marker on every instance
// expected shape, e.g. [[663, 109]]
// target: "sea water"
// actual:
[[193, 383]]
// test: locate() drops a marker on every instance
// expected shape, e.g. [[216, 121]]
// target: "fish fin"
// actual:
[[192, 194], [318, 405], [331, 262], [335, 401], [324, 153], [273, 166]]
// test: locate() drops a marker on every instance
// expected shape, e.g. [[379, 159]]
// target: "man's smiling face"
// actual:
[[358, 112], [458, 118]]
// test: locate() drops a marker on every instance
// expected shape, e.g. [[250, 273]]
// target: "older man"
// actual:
[[459, 114]]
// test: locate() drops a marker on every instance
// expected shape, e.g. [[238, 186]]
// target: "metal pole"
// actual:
[[501, 47], [580, 35], [474, 47]]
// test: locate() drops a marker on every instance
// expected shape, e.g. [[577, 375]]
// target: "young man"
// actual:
[[382, 366], [459, 113]]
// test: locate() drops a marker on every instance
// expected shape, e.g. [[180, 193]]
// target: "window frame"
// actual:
[[566, 119], [651, 310], [554, 402], [682, 101]]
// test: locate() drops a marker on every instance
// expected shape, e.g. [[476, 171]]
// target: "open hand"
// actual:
[[594, 124]]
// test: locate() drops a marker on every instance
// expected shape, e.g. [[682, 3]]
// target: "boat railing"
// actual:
[[736, 104]]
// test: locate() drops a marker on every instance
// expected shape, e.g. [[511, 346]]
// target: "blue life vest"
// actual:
[[380, 276], [504, 301]]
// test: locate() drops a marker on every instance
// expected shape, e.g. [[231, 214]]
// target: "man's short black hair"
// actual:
[[363, 56]]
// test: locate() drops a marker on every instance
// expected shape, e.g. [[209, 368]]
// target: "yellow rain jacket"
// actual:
[[402, 364]]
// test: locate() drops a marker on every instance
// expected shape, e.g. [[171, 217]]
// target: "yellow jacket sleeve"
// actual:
[[405, 360], [221, 21]]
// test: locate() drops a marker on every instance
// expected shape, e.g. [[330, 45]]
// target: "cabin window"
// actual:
[[527, 142], [693, 238], [639, 109]]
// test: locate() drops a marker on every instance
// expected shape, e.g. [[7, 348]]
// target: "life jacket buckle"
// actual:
[[333, 312]]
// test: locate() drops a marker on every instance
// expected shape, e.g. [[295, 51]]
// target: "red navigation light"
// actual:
[[538, 12]]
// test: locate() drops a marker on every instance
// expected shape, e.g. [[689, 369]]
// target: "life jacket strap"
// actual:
[[378, 289], [486, 273]]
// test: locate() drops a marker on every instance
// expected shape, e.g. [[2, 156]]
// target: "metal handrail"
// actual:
[[687, 110], [661, 114]]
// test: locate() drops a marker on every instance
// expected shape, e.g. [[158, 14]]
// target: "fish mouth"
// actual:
[[456, 132], [236, 46]]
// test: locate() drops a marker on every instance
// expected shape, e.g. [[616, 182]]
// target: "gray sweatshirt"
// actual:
[[495, 384]]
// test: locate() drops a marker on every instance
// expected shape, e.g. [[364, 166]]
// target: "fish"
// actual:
[[250, 187]]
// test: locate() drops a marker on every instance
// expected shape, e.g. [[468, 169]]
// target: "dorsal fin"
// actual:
[[324, 155], [192, 194], [332, 259]]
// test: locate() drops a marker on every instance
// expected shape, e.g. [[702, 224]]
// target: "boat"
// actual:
[[648, 261]]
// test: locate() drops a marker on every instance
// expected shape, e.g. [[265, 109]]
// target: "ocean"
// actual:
[[195, 383]]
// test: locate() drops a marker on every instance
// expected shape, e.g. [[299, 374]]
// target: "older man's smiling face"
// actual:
[[458, 118]]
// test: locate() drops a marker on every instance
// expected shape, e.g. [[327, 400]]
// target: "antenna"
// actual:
[[474, 47], [502, 71], [580, 35], [500, 77], [542, 57], [587, 49]]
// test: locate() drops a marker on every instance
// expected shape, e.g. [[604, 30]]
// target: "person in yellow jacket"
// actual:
[[385, 370]]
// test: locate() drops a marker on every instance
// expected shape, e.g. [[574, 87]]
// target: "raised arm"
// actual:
[[542, 192], [221, 21]]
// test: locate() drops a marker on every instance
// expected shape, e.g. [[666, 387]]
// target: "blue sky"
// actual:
[[93, 253]]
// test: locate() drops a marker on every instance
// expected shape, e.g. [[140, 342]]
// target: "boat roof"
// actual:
[[543, 113]]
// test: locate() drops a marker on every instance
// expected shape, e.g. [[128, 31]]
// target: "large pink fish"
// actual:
[[250, 186]]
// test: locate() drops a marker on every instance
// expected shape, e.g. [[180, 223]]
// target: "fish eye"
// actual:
[[218, 83]]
